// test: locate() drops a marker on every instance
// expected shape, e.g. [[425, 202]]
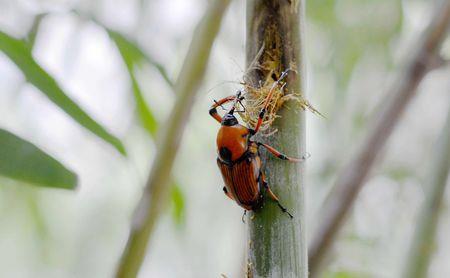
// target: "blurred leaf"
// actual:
[[178, 204], [321, 11], [32, 33], [20, 54], [37, 216], [133, 55], [25, 162], [400, 173], [353, 27], [345, 274], [359, 121], [145, 114]]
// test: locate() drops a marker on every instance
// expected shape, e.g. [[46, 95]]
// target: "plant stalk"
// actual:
[[277, 243], [422, 245], [355, 173], [157, 189]]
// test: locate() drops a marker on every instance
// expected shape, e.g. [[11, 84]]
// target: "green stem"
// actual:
[[355, 173], [276, 243], [156, 193], [422, 245]]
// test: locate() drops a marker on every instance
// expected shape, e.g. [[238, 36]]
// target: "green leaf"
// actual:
[[345, 274], [19, 52], [132, 54], [400, 173], [322, 12], [32, 33], [145, 114], [353, 32], [23, 161], [178, 204]]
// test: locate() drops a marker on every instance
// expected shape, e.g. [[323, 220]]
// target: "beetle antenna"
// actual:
[[218, 104]]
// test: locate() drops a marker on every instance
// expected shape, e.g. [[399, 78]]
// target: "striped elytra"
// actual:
[[242, 180]]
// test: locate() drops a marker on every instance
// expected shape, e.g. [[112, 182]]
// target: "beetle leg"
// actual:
[[272, 195], [228, 193], [280, 155], [264, 109], [213, 109], [268, 98]]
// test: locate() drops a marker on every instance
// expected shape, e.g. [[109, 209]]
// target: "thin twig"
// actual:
[[423, 241], [157, 188], [355, 173]]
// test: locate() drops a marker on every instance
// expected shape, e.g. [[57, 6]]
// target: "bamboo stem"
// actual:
[[157, 188], [422, 245], [355, 173], [276, 243]]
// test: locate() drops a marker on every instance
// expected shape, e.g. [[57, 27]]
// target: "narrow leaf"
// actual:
[[145, 114], [178, 204], [23, 161], [133, 54], [20, 54], [32, 33]]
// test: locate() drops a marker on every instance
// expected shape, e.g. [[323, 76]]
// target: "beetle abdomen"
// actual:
[[241, 180]]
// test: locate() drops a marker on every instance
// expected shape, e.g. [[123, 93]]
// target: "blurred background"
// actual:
[[354, 49]]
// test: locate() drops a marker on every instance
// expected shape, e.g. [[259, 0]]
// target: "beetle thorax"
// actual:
[[232, 142]]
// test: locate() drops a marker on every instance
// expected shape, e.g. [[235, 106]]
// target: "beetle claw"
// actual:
[[243, 216], [283, 209]]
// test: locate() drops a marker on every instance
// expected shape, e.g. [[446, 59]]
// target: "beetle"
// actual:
[[239, 158]]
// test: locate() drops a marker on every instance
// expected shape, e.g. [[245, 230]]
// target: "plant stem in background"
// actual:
[[355, 173], [276, 243], [157, 189], [422, 245]]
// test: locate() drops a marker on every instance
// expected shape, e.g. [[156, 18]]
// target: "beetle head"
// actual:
[[229, 119]]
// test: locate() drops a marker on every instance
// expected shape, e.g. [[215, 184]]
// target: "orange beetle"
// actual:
[[238, 157]]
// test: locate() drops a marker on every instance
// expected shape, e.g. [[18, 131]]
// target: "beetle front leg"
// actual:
[[213, 109], [279, 154], [269, 97], [263, 111], [272, 195]]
